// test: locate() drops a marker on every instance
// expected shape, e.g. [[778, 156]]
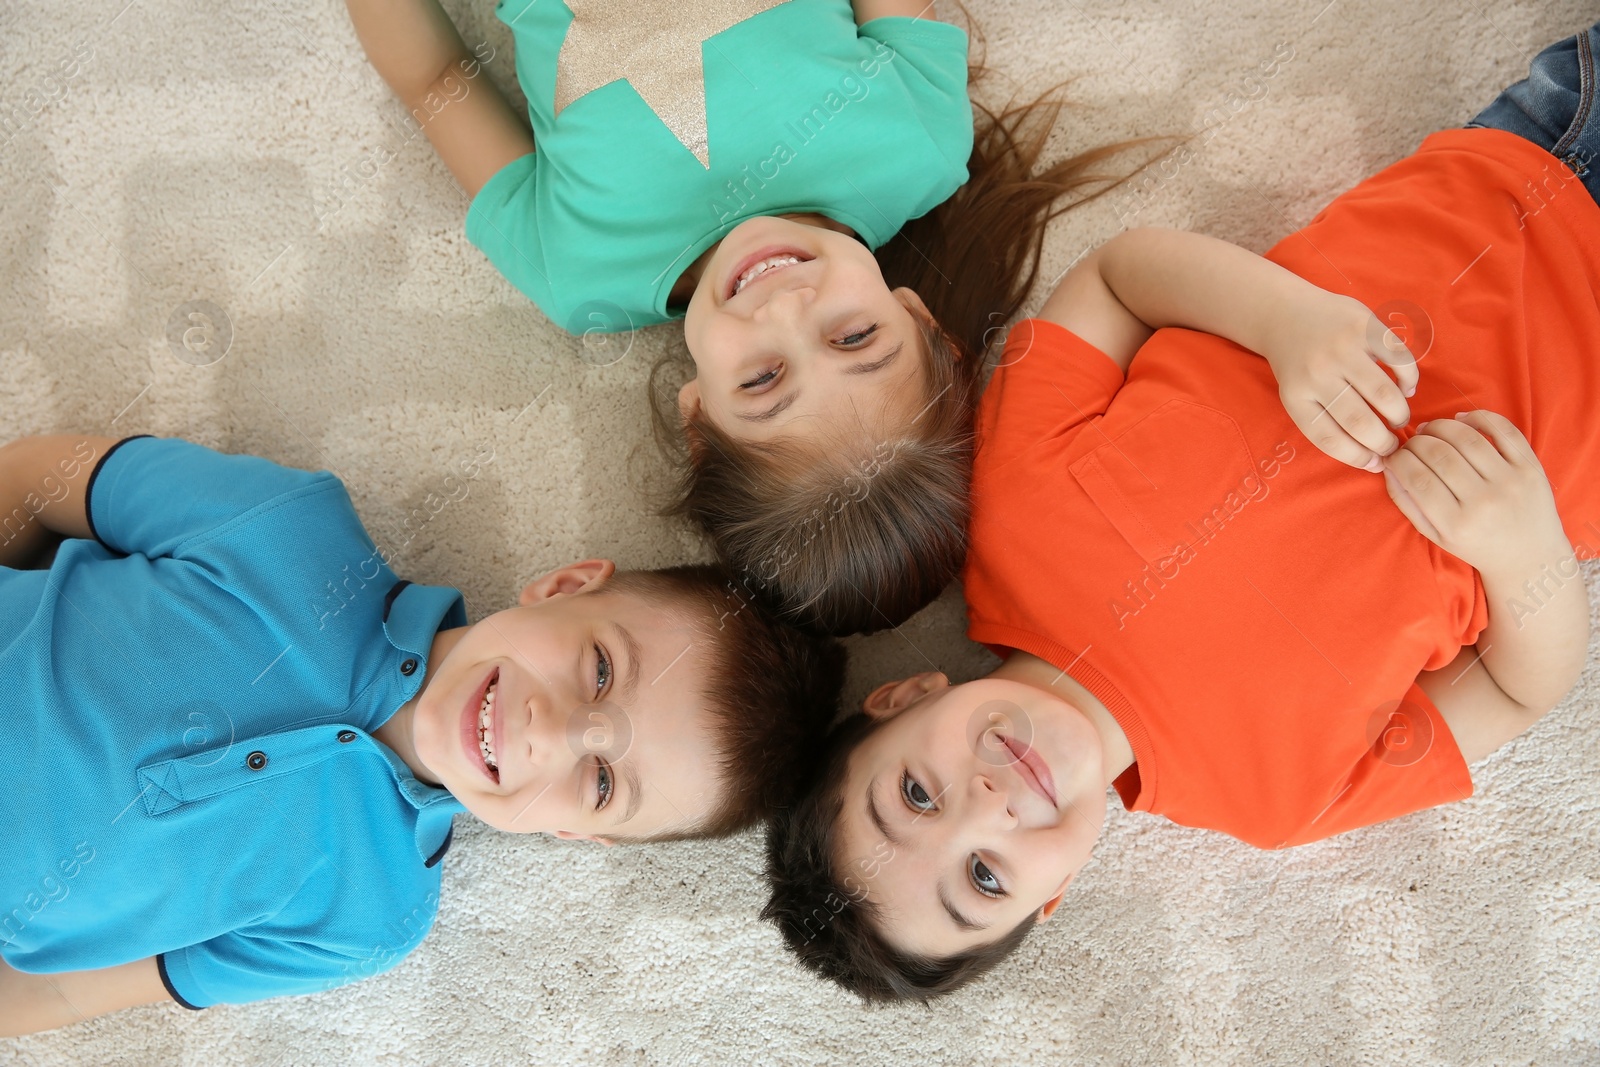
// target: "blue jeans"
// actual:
[[1555, 106]]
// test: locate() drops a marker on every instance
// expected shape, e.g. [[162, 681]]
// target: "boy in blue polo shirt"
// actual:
[[241, 738]]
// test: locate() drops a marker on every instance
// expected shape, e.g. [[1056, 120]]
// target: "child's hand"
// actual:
[[1473, 486], [1325, 352]]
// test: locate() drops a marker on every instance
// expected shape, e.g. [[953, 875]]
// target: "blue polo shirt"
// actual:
[[190, 699]]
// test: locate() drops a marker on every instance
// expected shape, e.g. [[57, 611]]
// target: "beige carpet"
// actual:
[[246, 155]]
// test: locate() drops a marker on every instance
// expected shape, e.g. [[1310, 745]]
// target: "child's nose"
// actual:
[[786, 308], [540, 737], [990, 799]]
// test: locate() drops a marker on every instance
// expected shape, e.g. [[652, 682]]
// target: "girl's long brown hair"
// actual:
[[844, 536]]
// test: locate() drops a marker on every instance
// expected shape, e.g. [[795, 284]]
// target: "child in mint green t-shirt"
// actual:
[[751, 167]]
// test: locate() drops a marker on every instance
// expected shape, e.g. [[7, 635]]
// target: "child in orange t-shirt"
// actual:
[[1281, 598]]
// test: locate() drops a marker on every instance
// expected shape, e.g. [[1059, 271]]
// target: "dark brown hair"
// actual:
[[852, 536], [824, 915], [770, 691]]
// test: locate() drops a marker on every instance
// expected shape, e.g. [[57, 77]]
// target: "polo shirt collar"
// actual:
[[412, 615], [436, 808]]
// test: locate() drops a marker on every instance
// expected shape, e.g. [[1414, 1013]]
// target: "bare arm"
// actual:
[[1324, 349], [1474, 487], [867, 10], [415, 47], [1533, 647], [1145, 279], [43, 489], [1537, 637], [30, 1003]]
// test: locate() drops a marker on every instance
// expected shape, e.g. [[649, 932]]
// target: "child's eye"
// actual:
[[916, 796], [602, 670], [859, 338], [761, 379], [602, 785], [983, 878]]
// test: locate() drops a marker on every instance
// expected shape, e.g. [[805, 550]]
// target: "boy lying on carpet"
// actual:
[[236, 739], [807, 185], [1238, 631]]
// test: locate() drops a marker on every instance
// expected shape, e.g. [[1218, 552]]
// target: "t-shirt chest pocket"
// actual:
[[1170, 480]]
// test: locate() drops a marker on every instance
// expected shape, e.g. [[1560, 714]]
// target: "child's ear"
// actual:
[[913, 303], [568, 835], [689, 400], [565, 581], [891, 698], [1054, 902]]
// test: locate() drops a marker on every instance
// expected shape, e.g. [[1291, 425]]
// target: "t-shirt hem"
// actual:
[[88, 489], [1455, 773], [1121, 709], [486, 192], [490, 239], [905, 27], [1473, 138], [1065, 336], [166, 980], [1528, 159]]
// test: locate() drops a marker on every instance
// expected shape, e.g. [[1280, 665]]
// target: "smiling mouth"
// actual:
[[485, 729], [760, 265]]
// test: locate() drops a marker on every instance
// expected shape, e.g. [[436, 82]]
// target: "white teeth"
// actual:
[[761, 268], [486, 727]]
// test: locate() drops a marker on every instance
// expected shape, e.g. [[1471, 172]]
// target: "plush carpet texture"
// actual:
[[157, 153]]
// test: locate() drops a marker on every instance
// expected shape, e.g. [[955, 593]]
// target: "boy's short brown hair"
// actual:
[[823, 912], [770, 691]]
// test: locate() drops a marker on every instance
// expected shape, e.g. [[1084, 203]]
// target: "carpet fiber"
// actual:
[[246, 156]]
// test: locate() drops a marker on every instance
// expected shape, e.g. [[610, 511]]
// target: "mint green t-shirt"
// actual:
[[634, 175]]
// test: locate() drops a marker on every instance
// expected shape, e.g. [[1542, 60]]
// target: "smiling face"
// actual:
[[577, 713], [971, 808], [793, 329]]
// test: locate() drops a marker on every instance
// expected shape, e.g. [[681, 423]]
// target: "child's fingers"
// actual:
[[1433, 497], [1393, 353], [1353, 409], [1408, 507], [1469, 443], [1508, 439], [1322, 429], [1378, 390], [1460, 478]]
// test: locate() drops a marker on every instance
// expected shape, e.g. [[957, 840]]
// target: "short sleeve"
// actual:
[[502, 223], [935, 52], [1049, 382], [1412, 764], [240, 968], [930, 59], [150, 494]]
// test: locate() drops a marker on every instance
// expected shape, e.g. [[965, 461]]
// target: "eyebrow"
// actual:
[[961, 920], [877, 364], [630, 681], [878, 820], [635, 791], [774, 411], [855, 368]]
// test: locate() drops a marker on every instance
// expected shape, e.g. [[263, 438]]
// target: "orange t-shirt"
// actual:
[[1252, 612]]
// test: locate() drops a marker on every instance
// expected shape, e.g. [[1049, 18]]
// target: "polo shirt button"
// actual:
[[256, 760], [408, 668], [346, 736]]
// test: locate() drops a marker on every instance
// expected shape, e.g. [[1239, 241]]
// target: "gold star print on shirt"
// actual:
[[655, 45]]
